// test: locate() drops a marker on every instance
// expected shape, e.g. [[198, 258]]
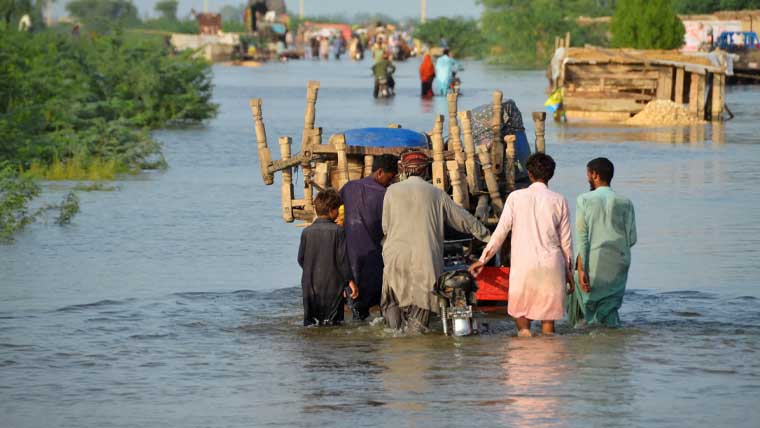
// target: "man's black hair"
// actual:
[[446, 51], [603, 167], [541, 166], [388, 163]]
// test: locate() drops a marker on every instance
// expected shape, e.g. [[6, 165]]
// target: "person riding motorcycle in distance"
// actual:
[[383, 70]]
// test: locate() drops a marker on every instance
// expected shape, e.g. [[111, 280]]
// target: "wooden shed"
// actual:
[[614, 84]]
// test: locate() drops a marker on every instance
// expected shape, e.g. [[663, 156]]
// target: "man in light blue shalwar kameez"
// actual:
[[605, 227], [445, 66]]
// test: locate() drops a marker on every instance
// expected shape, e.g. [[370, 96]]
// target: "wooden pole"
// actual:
[[679, 85], [664, 83], [509, 165], [439, 173], [455, 141], [492, 182], [567, 39], [458, 186], [339, 142], [497, 148], [481, 210], [539, 123], [312, 89], [694, 94], [321, 176], [470, 167], [368, 160], [701, 95], [308, 188], [265, 157], [718, 86], [287, 180]]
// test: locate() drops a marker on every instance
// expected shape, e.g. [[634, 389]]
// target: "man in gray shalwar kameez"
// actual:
[[415, 214]]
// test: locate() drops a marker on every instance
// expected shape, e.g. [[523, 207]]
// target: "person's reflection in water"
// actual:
[[535, 370], [406, 379]]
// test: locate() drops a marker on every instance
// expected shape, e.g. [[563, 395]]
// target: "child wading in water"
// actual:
[[326, 269]]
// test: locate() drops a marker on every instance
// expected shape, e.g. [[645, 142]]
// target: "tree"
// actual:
[[102, 15], [232, 13], [709, 6], [463, 35], [522, 32], [167, 9], [12, 10], [646, 24]]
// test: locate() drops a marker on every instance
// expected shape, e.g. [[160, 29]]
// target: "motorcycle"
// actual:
[[456, 292], [384, 89], [456, 83]]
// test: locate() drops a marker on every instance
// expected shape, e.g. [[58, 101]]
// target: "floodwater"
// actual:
[[174, 300]]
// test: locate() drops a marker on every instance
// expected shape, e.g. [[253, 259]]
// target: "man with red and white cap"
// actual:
[[415, 214]]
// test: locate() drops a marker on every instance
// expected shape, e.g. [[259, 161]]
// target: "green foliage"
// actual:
[[709, 6], [185, 26], [82, 108], [12, 10], [15, 194], [62, 97], [232, 13], [233, 27], [67, 209], [102, 16], [522, 32], [167, 9], [646, 24], [463, 35]]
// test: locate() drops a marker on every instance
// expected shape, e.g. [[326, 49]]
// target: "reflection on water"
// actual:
[[714, 133], [534, 369], [153, 308]]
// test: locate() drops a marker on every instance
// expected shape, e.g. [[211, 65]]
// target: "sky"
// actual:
[[395, 8]]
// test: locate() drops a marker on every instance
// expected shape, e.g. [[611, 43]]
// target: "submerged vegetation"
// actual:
[[16, 192], [82, 107]]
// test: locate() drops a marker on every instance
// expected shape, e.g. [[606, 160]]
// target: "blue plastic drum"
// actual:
[[385, 137]]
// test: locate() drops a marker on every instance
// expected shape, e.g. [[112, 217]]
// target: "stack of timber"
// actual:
[[479, 164], [614, 84]]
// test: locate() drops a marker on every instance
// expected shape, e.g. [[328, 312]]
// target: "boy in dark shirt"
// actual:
[[326, 268]]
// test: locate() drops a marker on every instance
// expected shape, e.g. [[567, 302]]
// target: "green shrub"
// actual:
[[463, 35], [82, 108], [522, 32], [646, 24]]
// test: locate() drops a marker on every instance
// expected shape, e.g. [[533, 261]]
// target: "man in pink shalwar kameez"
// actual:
[[541, 249]]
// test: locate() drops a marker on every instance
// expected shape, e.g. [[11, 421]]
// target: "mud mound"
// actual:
[[663, 113]]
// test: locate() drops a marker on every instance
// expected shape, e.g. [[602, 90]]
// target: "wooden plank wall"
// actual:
[[616, 90]]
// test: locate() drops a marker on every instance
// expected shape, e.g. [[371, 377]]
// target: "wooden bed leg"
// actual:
[[492, 182], [539, 123], [265, 157], [497, 148], [287, 180], [439, 177], [471, 171]]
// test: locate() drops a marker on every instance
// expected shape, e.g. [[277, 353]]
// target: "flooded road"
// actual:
[[174, 300]]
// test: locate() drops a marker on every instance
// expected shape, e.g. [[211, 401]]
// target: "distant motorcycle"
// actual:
[[456, 83], [383, 88]]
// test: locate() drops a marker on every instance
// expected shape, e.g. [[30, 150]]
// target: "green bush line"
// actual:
[[79, 103]]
